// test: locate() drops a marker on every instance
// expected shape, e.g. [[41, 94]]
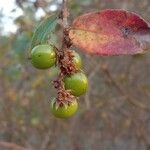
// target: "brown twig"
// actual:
[[65, 14], [64, 23], [64, 60]]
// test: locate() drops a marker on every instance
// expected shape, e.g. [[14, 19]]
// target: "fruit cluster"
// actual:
[[71, 82]]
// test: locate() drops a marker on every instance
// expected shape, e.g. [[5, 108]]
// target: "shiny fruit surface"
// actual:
[[64, 111], [77, 60], [43, 56], [77, 83]]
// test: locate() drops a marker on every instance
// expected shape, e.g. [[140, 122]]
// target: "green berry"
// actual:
[[43, 56], [77, 83], [64, 110], [77, 60]]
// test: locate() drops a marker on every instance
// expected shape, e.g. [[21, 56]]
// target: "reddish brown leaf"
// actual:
[[111, 32]]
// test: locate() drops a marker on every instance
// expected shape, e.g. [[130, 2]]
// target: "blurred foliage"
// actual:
[[106, 119]]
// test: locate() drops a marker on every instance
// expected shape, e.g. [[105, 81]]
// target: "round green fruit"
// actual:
[[43, 56], [77, 60], [77, 83], [64, 111]]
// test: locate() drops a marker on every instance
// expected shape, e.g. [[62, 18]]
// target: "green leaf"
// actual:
[[44, 31]]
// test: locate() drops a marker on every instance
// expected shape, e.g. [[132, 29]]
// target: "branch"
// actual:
[[64, 59], [12, 146], [46, 140], [65, 14], [129, 97], [90, 77]]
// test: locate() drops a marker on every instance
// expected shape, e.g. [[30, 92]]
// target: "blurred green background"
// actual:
[[113, 115]]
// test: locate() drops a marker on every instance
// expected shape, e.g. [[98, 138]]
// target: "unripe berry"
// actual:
[[43, 56]]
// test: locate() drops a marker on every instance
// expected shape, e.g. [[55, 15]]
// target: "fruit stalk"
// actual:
[[64, 59]]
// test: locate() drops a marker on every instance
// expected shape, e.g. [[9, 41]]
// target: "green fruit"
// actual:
[[77, 83], [77, 60], [64, 111], [43, 56]]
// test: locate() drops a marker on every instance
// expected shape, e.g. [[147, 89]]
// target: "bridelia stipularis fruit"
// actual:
[[64, 110], [43, 56], [77, 60], [77, 83]]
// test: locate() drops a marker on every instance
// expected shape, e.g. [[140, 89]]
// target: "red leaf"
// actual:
[[111, 32]]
